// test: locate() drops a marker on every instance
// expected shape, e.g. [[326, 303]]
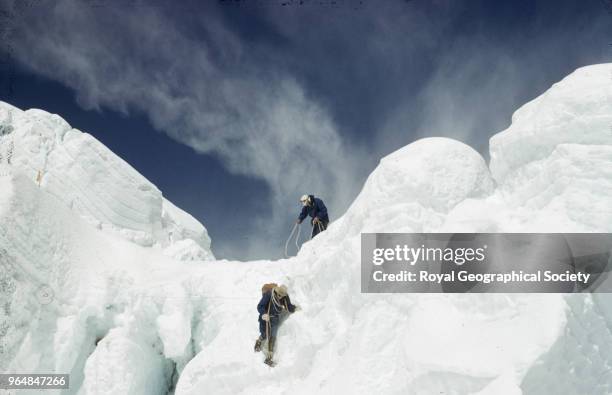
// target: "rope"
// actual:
[[319, 227], [273, 299], [268, 323], [276, 301], [297, 237]]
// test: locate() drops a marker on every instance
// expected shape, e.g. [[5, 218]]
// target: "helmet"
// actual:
[[304, 199]]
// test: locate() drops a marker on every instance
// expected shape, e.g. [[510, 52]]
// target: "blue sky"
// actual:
[[234, 109]]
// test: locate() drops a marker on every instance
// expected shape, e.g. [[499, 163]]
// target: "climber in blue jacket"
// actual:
[[274, 301], [314, 207]]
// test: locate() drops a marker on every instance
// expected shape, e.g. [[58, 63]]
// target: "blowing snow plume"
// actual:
[[300, 99], [217, 96]]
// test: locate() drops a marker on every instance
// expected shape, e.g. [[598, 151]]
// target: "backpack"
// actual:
[[268, 287]]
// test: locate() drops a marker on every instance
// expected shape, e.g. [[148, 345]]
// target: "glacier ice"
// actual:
[[95, 183], [139, 304]]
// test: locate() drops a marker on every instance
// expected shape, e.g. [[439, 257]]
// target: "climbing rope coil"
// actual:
[[297, 238], [320, 229]]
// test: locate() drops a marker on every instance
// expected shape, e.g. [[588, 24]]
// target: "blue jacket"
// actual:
[[318, 210], [275, 311]]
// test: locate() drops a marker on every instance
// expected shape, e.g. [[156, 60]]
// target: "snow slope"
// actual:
[[127, 318]]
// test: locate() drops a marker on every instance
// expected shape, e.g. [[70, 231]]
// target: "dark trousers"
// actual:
[[318, 228], [274, 323]]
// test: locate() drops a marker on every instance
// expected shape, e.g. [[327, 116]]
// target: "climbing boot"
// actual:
[[269, 361], [258, 344]]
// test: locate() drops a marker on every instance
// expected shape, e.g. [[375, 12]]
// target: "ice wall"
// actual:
[[96, 183]]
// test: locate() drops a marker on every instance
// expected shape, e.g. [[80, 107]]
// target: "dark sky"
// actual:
[[236, 108]]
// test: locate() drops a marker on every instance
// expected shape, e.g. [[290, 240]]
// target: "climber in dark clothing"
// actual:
[[273, 302], [314, 207]]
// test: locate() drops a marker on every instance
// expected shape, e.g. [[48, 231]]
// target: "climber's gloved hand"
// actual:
[[265, 317], [316, 220]]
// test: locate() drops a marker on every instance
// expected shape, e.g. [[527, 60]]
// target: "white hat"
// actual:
[[281, 290]]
